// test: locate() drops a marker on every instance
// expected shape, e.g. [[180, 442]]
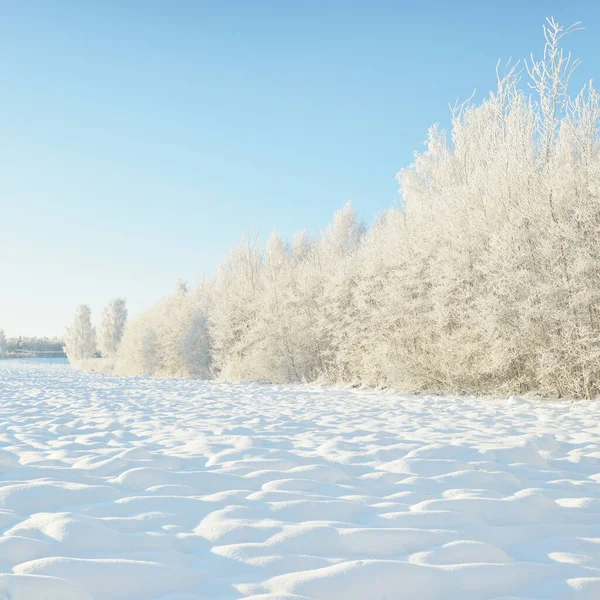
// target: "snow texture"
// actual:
[[148, 489]]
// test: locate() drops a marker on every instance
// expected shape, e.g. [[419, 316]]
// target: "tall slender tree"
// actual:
[[80, 337], [111, 327]]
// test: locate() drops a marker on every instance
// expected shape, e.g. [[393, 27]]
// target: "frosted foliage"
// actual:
[[111, 327], [80, 337], [3, 344], [301, 244], [170, 339], [344, 233], [485, 278]]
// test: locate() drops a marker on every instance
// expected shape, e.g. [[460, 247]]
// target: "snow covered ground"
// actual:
[[185, 490]]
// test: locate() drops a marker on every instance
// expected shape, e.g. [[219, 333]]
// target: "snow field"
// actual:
[[150, 489]]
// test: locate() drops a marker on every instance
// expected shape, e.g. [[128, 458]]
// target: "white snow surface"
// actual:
[[139, 488]]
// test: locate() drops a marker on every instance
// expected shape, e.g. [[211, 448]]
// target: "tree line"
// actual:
[[485, 279], [21, 345]]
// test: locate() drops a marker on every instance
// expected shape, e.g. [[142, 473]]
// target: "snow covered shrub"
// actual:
[[80, 338], [168, 340]]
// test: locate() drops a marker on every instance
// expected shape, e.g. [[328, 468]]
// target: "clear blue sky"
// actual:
[[139, 139]]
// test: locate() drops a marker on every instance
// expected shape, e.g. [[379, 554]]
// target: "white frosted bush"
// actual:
[[168, 340]]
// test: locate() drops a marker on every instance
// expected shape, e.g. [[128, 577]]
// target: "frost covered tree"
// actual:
[[509, 201], [80, 337], [269, 304], [234, 309], [111, 327], [337, 271], [274, 342], [3, 344]]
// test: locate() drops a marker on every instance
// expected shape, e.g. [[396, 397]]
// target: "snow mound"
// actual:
[[150, 489]]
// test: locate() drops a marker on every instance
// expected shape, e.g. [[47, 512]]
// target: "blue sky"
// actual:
[[139, 139]]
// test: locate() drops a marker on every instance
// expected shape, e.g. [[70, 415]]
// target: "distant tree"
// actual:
[[80, 338], [111, 327], [35, 343], [3, 345]]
